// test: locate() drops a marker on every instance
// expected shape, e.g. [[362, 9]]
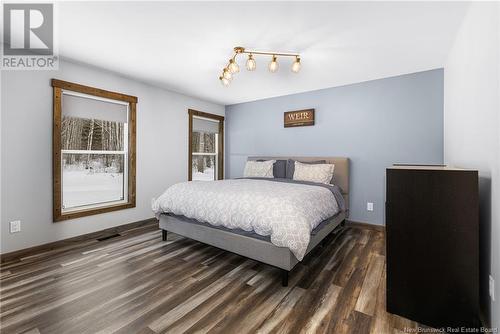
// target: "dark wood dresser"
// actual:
[[432, 226]]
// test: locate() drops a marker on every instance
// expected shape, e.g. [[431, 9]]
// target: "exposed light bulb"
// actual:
[[224, 81], [226, 74], [273, 65], [233, 66], [296, 65], [251, 64]]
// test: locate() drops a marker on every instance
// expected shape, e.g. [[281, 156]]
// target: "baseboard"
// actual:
[[119, 229], [380, 228], [15, 255]]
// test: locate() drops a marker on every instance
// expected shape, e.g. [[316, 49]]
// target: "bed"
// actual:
[[246, 242]]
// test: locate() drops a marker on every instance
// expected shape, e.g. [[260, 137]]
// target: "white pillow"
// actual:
[[259, 168], [320, 173]]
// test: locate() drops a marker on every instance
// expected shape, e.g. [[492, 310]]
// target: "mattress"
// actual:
[[287, 211]]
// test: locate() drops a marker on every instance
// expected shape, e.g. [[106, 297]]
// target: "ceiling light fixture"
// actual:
[[224, 81], [296, 65], [233, 67], [251, 64], [227, 74], [273, 65]]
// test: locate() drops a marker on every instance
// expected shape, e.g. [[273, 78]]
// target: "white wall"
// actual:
[[471, 119], [26, 151]]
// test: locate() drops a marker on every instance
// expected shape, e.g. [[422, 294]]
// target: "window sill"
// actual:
[[58, 216]]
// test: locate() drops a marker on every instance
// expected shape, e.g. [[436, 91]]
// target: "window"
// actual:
[[206, 146], [93, 150]]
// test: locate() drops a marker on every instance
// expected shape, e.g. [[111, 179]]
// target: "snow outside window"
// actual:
[[204, 149], [94, 151]]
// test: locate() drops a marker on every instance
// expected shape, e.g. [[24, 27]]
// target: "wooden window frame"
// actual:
[[58, 87], [220, 143]]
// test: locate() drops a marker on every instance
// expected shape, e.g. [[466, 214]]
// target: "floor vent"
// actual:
[[108, 237]]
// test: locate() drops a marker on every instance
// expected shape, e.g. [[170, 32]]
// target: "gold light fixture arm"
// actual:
[[232, 67], [240, 49]]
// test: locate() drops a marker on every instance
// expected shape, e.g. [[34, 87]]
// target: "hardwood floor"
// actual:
[[136, 283]]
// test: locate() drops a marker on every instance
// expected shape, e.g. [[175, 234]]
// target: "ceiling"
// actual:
[[183, 46]]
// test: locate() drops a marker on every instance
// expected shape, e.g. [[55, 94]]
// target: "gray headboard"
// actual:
[[341, 171]]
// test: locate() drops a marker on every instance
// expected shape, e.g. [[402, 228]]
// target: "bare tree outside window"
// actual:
[[93, 150], [90, 178], [206, 139], [204, 165]]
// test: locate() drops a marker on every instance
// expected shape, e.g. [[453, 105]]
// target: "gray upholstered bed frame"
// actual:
[[255, 248]]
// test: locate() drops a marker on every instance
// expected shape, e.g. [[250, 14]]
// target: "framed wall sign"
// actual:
[[299, 118]]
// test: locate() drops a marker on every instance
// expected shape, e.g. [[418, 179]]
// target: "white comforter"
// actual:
[[286, 212]]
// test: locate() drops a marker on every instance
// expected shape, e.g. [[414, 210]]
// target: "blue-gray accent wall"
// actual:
[[375, 124]]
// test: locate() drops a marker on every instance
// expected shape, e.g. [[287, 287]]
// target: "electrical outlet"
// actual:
[[492, 288], [369, 206], [15, 226]]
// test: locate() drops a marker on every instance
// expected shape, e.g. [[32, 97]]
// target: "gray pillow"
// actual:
[[290, 166], [279, 168]]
